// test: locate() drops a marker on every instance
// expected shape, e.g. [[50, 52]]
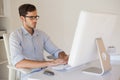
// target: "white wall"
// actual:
[[59, 18]]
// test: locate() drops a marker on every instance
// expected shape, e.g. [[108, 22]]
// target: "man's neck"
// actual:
[[30, 30]]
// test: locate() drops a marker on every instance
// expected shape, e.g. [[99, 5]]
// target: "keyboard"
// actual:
[[61, 67]]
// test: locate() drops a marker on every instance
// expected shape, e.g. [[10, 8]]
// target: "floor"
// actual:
[[3, 72], [3, 66]]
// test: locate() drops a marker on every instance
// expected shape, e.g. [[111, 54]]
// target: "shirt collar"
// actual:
[[25, 32]]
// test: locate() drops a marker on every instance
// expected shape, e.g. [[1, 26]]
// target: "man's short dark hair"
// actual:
[[25, 8]]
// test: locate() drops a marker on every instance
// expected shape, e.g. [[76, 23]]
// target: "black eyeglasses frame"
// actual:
[[32, 17]]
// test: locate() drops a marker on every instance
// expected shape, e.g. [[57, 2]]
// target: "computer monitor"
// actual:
[[92, 25]]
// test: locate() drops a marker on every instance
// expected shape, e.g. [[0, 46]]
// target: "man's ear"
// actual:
[[22, 18]]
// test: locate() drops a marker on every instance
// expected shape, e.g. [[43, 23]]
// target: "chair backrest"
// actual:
[[12, 72], [12, 69], [6, 43]]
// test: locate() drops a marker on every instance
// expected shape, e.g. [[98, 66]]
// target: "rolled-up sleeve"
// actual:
[[15, 49], [50, 47]]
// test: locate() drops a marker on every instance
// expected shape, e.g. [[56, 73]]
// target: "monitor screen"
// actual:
[[92, 25]]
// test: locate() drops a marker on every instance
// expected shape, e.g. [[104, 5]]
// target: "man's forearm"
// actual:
[[33, 64], [38, 64]]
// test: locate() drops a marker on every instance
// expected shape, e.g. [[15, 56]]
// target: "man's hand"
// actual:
[[64, 57], [59, 61]]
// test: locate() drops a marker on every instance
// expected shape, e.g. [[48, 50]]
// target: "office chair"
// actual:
[[14, 73]]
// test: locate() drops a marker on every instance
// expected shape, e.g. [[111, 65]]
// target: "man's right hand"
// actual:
[[58, 62]]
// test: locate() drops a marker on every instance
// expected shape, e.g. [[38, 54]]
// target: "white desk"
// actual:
[[77, 74]]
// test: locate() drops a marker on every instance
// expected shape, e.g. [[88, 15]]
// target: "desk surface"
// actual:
[[77, 74]]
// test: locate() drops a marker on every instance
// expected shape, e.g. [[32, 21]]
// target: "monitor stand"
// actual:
[[104, 59]]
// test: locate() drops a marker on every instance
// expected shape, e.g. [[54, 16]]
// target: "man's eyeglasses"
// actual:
[[33, 17]]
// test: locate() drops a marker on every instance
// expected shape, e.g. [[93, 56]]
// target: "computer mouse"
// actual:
[[48, 72]]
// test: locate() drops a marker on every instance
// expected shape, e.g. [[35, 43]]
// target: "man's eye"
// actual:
[[32, 17]]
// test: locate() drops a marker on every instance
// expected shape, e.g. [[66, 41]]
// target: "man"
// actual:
[[27, 44]]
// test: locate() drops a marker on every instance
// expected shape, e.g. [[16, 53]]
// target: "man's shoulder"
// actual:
[[40, 32], [16, 32]]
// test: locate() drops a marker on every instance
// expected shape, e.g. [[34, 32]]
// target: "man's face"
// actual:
[[30, 20]]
